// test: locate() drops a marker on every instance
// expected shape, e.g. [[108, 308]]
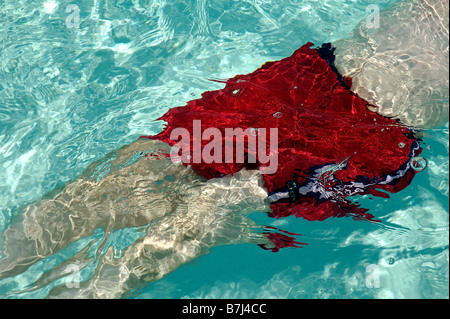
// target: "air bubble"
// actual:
[[401, 145], [254, 131], [277, 114], [391, 260], [418, 164]]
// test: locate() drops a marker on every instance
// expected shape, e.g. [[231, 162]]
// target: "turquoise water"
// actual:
[[69, 96]]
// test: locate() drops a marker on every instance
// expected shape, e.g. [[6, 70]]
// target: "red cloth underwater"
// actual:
[[331, 145]]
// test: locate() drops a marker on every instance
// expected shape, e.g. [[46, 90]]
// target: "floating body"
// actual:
[[331, 144]]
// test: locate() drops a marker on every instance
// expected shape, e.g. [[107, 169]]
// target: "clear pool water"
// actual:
[[70, 94]]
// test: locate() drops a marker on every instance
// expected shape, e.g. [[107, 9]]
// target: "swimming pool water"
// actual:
[[69, 96]]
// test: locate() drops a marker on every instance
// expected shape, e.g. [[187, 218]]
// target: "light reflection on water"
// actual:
[[69, 96]]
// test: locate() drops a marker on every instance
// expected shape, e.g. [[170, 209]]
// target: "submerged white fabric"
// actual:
[[402, 65]]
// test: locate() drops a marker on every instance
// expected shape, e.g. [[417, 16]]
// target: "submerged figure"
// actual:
[[184, 216], [331, 145]]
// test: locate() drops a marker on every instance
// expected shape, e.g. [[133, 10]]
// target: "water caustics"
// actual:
[[330, 145]]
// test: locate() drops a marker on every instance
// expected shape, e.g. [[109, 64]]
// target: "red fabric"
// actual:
[[280, 240], [319, 121]]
